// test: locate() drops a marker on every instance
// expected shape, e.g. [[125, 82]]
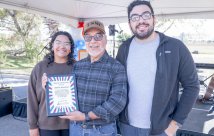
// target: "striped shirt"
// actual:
[[101, 87]]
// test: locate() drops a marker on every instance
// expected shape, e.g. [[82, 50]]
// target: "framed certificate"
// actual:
[[61, 95]]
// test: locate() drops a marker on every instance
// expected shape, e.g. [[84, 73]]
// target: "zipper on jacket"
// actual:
[[159, 71], [160, 59]]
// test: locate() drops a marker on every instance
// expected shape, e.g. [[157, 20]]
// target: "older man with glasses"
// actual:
[[101, 86]]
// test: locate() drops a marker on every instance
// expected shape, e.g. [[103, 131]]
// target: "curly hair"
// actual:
[[50, 55]]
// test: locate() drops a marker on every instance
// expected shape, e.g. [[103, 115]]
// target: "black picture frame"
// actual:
[[61, 94]]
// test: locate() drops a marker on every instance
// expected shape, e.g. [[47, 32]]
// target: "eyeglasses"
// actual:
[[97, 37], [145, 15], [58, 43]]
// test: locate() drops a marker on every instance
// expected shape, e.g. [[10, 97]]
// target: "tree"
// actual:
[[122, 37], [52, 25], [164, 24], [21, 33]]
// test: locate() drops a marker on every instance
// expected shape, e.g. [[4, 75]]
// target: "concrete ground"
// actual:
[[10, 126], [198, 120]]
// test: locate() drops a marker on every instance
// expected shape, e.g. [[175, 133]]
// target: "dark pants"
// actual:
[[128, 130], [63, 132]]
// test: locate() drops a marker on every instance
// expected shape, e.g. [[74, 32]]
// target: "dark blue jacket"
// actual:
[[175, 68]]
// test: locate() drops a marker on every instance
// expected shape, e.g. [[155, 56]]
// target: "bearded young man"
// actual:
[[156, 64]]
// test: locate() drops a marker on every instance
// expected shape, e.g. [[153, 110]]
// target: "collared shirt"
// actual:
[[101, 87]]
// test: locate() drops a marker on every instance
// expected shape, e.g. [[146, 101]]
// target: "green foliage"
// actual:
[[20, 24], [122, 37], [32, 49], [21, 36], [2, 13], [20, 62], [3, 58]]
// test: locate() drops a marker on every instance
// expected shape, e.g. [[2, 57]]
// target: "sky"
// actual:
[[192, 27]]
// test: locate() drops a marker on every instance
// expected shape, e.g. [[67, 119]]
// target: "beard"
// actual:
[[95, 52], [143, 35]]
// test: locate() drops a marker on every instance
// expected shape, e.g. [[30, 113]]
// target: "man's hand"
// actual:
[[34, 132], [44, 80], [74, 116], [172, 128]]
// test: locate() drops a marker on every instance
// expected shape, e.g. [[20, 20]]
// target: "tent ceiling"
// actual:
[[109, 11]]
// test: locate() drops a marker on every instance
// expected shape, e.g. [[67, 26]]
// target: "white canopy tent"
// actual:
[[109, 11]]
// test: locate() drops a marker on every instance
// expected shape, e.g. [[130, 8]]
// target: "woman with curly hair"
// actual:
[[59, 60]]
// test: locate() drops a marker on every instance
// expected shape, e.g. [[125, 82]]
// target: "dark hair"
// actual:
[[139, 2], [50, 55]]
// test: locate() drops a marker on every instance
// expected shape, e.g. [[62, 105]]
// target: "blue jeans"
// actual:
[[78, 129], [128, 130]]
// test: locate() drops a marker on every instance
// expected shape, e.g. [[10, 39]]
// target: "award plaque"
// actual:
[[61, 95]]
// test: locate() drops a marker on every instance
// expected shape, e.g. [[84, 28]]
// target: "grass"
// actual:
[[20, 65], [17, 63]]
